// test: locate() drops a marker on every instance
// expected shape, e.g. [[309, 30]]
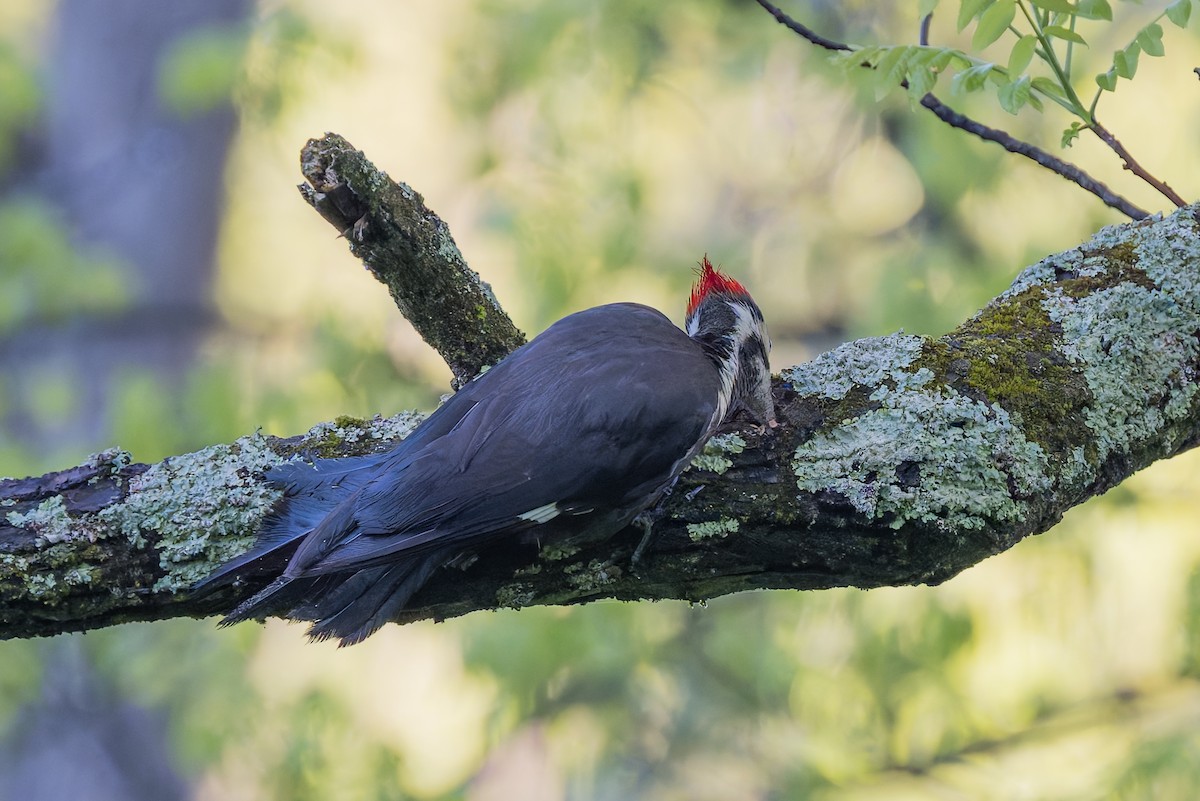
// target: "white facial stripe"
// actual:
[[745, 327], [746, 324], [729, 367]]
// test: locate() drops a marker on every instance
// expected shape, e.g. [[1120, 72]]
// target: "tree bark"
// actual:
[[898, 459], [409, 249]]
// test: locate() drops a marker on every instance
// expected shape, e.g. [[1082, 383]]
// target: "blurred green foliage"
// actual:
[[43, 277], [256, 64], [201, 69], [19, 100], [606, 147]]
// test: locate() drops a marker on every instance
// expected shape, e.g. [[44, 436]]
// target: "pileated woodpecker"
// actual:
[[575, 433]]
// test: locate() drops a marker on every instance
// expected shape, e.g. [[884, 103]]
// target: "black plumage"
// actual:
[[577, 431]]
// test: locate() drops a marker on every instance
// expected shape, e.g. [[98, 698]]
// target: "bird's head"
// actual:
[[728, 324]]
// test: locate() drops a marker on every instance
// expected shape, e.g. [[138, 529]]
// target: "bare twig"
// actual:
[[802, 30], [955, 119], [1132, 165], [1013, 145]]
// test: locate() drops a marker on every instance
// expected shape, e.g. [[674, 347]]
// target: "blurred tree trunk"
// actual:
[[132, 178]]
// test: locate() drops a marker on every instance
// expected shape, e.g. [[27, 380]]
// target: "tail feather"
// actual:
[[277, 598], [311, 492], [369, 599], [270, 555], [348, 588], [348, 605], [325, 480]]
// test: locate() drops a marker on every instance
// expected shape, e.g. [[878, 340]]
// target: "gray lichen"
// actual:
[[204, 507], [1123, 307], [931, 456], [195, 511], [865, 363], [112, 458], [595, 575], [515, 595], [714, 458], [1130, 342], [79, 575], [352, 429], [50, 521], [1135, 341], [326, 438], [711, 529]]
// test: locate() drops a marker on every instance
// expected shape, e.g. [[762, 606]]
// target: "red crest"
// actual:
[[712, 280]]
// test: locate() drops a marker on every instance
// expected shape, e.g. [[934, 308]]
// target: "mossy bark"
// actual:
[[898, 460], [410, 250]]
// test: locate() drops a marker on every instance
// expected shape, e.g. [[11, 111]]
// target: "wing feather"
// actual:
[[595, 413]]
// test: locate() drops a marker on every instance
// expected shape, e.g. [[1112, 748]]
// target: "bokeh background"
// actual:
[[163, 287]]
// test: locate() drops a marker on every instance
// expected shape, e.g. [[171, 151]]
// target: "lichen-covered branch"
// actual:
[[410, 249], [109, 541], [899, 460]]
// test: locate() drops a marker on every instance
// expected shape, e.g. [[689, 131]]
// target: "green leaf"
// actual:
[[889, 71], [857, 58], [1150, 39], [946, 56], [921, 56], [1062, 6], [1048, 86], [1015, 94], [1125, 61], [1071, 134], [1059, 32], [1022, 54], [973, 79], [887, 57], [926, 7], [1179, 12], [890, 67], [1095, 9], [969, 10], [921, 80], [993, 23], [1107, 80]]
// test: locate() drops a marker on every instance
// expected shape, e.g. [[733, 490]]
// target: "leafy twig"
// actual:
[[1089, 115], [955, 119]]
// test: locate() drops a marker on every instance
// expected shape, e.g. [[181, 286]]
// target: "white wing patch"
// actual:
[[542, 514]]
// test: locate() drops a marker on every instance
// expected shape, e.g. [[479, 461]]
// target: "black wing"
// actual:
[[586, 424], [595, 414]]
